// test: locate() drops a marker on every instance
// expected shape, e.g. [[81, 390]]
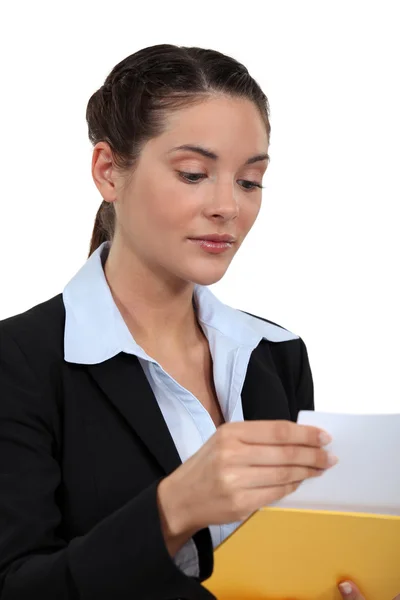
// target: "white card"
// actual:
[[367, 477]]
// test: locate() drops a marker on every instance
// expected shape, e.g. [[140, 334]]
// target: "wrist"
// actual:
[[174, 515]]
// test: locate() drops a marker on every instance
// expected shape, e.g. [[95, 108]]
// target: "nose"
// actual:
[[223, 203]]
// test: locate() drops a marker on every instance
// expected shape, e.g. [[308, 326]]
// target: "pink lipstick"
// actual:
[[214, 243]]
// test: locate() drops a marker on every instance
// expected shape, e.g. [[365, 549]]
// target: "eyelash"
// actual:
[[184, 173]]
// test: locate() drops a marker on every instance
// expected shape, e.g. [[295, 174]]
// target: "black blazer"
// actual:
[[82, 450]]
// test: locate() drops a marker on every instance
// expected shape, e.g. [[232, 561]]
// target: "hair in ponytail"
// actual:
[[104, 224], [141, 91]]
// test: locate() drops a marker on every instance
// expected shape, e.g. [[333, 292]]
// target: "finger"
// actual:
[[303, 456], [280, 433], [261, 477], [350, 591], [269, 495], [254, 499]]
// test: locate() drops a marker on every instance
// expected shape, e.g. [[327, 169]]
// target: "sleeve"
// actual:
[[305, 384], [123, 556]]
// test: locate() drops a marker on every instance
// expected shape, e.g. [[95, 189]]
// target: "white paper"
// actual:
[[367, 476]]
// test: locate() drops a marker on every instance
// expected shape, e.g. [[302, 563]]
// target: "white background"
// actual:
[[323, 257]]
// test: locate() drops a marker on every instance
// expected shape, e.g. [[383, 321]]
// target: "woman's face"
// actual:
[[174, 195]]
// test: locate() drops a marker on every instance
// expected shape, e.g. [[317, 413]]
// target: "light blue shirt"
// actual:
[[95, 332]]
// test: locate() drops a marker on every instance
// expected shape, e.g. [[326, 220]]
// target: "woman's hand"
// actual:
[[350, 591], [241, 468]]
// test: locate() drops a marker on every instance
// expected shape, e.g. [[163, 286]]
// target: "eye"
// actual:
[[254, 184], [185, 176]]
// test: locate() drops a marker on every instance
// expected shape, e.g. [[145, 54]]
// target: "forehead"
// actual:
[[228, 125]]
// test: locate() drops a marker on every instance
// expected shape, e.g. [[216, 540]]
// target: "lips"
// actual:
[[216, 238], [213, 244]]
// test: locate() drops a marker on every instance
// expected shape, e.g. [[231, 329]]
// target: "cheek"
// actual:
[[248, 213], [171, 209]]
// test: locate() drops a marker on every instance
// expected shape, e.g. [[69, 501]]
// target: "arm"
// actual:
[[123, 556], [305, 384]]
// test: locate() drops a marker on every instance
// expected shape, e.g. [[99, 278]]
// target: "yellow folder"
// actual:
[[288, 554]]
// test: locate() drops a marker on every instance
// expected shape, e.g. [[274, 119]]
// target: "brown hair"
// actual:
[[132, 105]]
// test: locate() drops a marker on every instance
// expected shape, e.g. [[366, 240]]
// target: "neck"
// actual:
[[157, 309]]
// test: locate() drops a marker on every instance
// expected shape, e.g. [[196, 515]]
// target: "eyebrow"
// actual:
[[209, 154]]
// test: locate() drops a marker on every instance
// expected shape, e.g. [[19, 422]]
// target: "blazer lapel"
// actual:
[[263, 395], [123, 380]]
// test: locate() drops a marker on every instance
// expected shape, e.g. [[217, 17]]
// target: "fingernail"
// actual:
[[324, 438], [345, 588], [332, 459]]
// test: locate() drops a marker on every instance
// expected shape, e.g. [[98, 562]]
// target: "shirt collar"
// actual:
[[95, 330]]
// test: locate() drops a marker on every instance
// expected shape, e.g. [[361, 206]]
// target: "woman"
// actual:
[[141, 419]]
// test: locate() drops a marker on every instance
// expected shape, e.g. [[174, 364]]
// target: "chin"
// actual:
[[206, 276], [202, 272]]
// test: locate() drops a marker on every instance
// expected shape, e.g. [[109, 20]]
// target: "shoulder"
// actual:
[[288, 356], [287, 349], [281, 338], [38, 332], [31, 360]]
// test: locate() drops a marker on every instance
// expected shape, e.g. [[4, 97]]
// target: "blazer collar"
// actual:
[[124, 382]]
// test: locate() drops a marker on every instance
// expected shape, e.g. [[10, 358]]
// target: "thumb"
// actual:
[[350, 591]]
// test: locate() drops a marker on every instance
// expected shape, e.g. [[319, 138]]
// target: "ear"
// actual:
[[103, 171]]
